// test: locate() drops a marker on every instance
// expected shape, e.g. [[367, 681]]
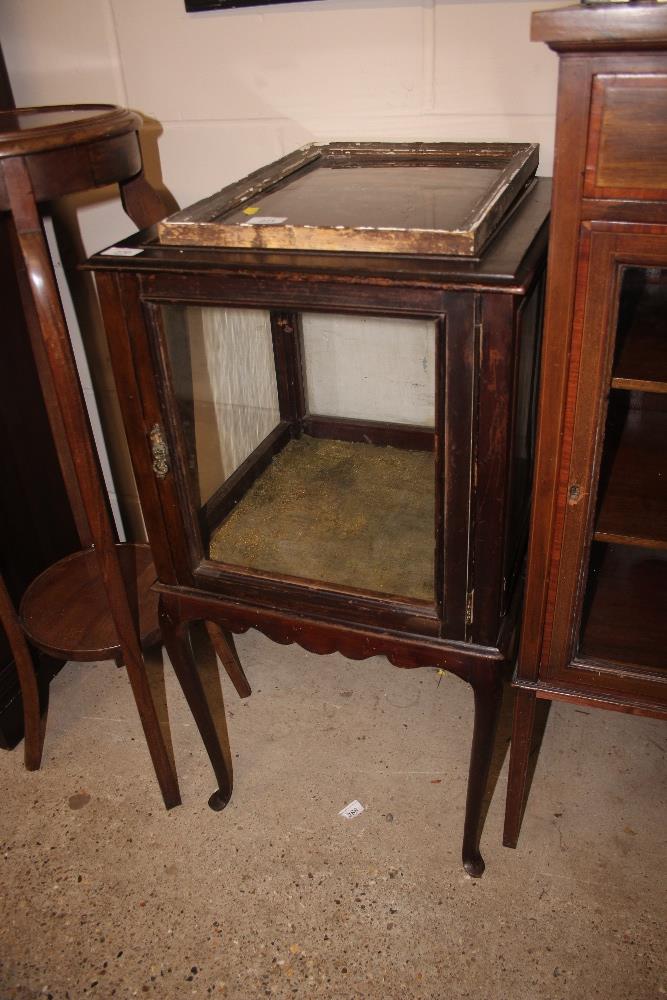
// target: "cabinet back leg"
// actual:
[[223, 643]]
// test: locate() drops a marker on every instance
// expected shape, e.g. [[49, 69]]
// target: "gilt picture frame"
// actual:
[[193, 6]]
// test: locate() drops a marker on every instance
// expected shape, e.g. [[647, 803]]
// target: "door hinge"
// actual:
[[470, 602], [159, 451]]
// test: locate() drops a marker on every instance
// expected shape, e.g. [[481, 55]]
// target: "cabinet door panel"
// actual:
[[610, 590]]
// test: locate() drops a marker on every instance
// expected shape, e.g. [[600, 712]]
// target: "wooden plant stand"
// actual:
[[96, 603]]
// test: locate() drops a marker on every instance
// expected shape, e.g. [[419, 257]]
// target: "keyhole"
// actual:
[[574, 493]]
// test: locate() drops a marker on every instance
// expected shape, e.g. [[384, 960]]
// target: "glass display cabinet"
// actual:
[[328, 381], [595, 621]]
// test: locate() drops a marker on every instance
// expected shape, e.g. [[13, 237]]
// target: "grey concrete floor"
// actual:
[[106, 894]]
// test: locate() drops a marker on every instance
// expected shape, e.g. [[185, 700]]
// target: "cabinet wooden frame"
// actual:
[[478, 321], [467, 394]]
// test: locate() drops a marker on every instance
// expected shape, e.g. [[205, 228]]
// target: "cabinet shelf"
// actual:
[[641, 362], [625, 620], [633, 509]]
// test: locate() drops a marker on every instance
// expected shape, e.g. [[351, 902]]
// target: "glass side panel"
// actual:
[[370, 367], [223, 378], [624, 617], [344, 497]]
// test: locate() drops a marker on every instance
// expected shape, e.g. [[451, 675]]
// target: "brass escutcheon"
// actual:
[[159, 451]]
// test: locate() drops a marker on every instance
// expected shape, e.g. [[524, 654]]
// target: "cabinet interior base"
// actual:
[[341, 512]]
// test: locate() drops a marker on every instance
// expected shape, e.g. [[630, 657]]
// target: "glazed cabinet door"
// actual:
[[609, 589], [305, 458]]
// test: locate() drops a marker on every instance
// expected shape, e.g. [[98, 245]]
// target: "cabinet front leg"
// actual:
[[177, 643], [487, 689]]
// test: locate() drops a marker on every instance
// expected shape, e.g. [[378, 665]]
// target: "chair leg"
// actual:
[[223, 643], [33, 723], [523, 730], [487, 689], [177, 643]]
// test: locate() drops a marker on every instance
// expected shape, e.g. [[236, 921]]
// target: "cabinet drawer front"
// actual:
[[627, 143]]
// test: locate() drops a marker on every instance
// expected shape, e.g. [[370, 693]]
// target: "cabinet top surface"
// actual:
[[602, 26], [507, 260]]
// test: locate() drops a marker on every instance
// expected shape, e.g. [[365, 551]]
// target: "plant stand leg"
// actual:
[[33, 722]]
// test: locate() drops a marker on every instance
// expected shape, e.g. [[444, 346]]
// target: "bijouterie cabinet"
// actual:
[[328, 374]]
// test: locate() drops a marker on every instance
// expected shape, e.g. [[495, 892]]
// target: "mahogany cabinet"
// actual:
[[398, 530], [595, 620]]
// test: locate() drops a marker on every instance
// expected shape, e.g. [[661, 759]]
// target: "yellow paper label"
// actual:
[[251, 210]]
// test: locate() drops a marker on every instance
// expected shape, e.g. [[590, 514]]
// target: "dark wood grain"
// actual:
[[461, 363], [597, 28], [287, 339], [627, 154], [500, 352]]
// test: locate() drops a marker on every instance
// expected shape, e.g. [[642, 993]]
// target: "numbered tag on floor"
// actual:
[[353, 809]]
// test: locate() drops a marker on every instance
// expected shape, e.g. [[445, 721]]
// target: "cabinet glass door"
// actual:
[[624, 614], [309, 444]]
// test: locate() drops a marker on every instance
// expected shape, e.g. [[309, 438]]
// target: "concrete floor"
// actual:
[[105, 894]]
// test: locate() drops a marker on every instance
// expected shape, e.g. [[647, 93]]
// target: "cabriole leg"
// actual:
[[177, 642], [487, 689]]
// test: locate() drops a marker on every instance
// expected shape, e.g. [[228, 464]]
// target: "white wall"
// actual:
[[233, 90]]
